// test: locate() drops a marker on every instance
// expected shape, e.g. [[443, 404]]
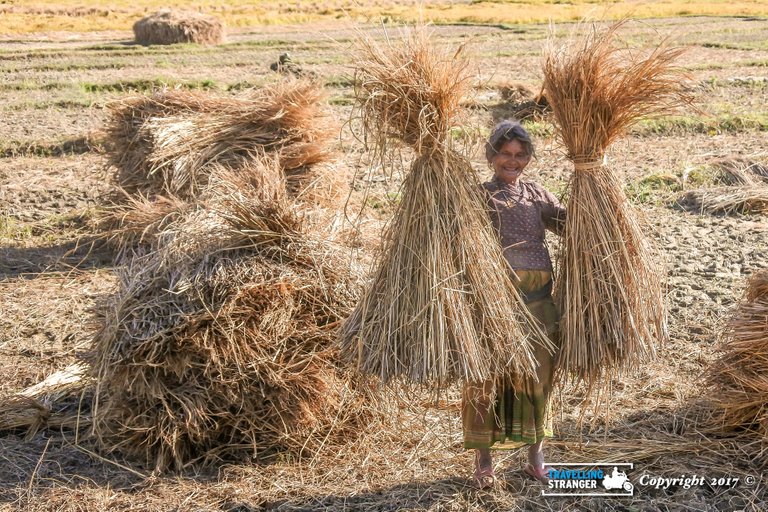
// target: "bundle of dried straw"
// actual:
[[164, 143], [221, 343], [47, 404], [165, 147], [441, 306], [737, 380], [173, 26], [610, 277], [743, 199]]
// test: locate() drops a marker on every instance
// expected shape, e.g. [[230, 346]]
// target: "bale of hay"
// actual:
[[174, 26], [610, 278], [166, 143], [737, 380], [431, 315], [726, 200], [221, 343]]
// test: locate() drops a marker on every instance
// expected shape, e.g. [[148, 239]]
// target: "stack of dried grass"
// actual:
[[727, 200], [432, 315], [173, 26], [166, 146], [220, 344], [737, 381], [166, 143], [610, 278], [745, 189]]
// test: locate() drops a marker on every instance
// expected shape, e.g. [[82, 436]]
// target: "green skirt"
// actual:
[[516, 417]]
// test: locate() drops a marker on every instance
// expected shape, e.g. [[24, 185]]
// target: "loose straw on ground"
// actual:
[[610, 279], [442, 306]]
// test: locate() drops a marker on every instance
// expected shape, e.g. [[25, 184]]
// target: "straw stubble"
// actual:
[[442, 306]]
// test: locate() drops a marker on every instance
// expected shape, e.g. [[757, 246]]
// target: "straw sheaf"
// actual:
[[737, 380], [47, 404], [220, 344], [165, 143], [410, 90], [432, 315], [611, 278], [173, 26]]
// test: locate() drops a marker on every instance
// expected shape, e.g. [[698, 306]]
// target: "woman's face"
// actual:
[[509, 162]]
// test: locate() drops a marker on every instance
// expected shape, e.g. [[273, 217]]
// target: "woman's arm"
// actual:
[[552, 212]]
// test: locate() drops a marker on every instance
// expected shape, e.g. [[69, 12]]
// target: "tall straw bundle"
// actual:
[[737, 380], [610, 279], [166, 143], [221, 343], [172, 26], [432, 314]]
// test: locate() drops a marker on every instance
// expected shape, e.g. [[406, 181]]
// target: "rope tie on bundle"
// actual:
[[590, 165]]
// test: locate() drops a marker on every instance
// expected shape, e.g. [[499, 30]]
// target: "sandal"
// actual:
[[541, 474], [484, 478]]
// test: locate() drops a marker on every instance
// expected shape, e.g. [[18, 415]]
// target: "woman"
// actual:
[[521, 211]]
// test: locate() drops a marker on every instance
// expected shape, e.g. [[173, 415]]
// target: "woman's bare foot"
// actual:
[[484, 476], [536, 467]]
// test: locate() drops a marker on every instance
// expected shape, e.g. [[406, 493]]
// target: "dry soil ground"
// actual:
[[52, 173]]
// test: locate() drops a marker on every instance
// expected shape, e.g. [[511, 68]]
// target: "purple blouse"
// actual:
[[521, 213]]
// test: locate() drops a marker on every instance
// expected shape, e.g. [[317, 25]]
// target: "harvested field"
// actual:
[[54, 93]]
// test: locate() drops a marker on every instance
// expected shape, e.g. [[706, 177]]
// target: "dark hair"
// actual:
[[504, 132]]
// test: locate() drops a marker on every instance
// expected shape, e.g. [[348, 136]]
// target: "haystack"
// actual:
[[611, 280], [737, 380], [220, 344], [173, 26], [431, 314], [164, 144]]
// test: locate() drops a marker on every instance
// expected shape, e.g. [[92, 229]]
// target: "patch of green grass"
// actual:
[[12, 229], [341, 100], [652, 188], [711, 125], [147, 85], [340, 81], [540, 129], [67, 67], [701, 176], [31, 85], [75, 146], [44, 105], [755, 46], [751, 82]]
